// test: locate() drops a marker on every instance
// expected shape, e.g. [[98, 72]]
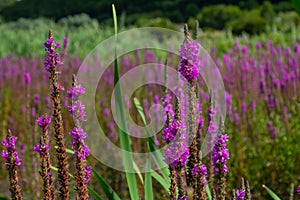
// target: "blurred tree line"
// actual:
[[250, 16], [177, 11]]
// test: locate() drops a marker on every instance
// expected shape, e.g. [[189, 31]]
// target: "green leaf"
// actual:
[[271, 193], [137, 170], [161, 180], [124, 138], [56, 169], [108, 191], [148, 180], [94, 193], [158, 157], [208, 192], [69, 151]]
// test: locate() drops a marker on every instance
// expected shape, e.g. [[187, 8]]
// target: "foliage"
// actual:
[[267, 11], [80, 20], [250, 23], [218, 16], [156, 22]]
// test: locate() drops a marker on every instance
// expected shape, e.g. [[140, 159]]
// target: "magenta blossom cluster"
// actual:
[[240, 194], [177, 152], [189, 60], [298, 189], [81, 151], [170, 131], [9, 143], [220, 154], [78, 137], [53, 59], [200, 172], [27, 78], [43, 121], [75, 92], [40, 149]]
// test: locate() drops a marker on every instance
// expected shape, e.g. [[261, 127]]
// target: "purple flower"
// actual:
[[78, 108], [78, 139], [200, 172], [36, 100], [27, 78], [88, 173], [220, 154], [258, 45], [5, 155], [188, 70], [43, 121], [40, 149], [11, 143], [243, 108], [53, 60], [47, 100], [298, 189], [78, 134], [170, 131], [252, 105], [240, 194], [66, 42], [10, 155], [76, 92], [189, 60]]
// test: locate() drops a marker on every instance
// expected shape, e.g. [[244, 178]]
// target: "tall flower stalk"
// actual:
[[220, 155], [51, 63], [189, 63], [12, 161], [81, 151], [43, 150]]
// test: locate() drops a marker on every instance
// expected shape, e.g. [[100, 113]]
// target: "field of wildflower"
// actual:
[[252, 152]]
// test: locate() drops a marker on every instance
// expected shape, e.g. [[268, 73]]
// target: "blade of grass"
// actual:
[[208, 192], [108, 191], [271, 193], [161, 180], [94, 193], [56, 169], [69, 151], [158, 157], [148, 180], [124, 138], [137, 170]]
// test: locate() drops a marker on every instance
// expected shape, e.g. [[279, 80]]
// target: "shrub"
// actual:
[[157, 22], [251, 23], [80, 20], [218, 16], [267, 11]]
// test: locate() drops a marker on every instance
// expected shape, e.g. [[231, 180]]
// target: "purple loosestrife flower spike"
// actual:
[[189, 58], [240, 194], [220, 155], [189, 64], [51, 64], [81, 151], [199, 173], [43, 150], [12, 161], [27, 78]]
